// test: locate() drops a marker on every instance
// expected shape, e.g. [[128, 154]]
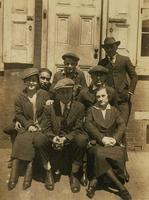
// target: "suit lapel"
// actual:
[[72, 113]]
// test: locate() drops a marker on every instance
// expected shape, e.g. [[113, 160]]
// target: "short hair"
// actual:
[[45, 70]]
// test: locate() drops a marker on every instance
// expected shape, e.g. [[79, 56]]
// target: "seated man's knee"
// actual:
[[81, 140], [39, 140]]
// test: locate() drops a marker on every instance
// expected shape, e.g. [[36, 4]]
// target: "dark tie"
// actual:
[[65, 112]]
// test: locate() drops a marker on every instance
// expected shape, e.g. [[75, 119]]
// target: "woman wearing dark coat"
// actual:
[[29, 107], [106, 127]]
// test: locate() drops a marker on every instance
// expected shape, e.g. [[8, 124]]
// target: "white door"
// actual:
[[73, 26], [18, 31]]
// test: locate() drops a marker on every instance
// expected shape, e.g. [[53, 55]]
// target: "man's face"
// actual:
[[70, 65], [31, 82], [102, 97], [111, 49], [44, 79], [65, 95], [98, 78]]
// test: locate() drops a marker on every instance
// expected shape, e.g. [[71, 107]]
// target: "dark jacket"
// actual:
[[24, 108], [118, 75], [87, 96], [52, 120], [98, 127], [78, 78]]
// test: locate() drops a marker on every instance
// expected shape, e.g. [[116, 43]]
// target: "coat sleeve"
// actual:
[[83, 80], [120, 131], [132, 74], [19, 114], [46, 124], [78, 126], [91, 129]]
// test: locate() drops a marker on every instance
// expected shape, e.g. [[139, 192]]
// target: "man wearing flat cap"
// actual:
[[120, 68], [88, 95], [64, 139], [71, 71]]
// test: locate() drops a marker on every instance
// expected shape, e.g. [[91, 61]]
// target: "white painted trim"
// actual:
[[1, 36]]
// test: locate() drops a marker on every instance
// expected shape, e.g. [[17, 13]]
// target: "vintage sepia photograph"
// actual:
[[74, 108]]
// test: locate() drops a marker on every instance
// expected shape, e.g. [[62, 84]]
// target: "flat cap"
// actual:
[[98, 68], [29, 72], [64, 83], [71, 55]]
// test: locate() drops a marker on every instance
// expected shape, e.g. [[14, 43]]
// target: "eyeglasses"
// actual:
[[45, 78]]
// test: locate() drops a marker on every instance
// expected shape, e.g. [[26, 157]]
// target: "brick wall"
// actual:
[[136, 133]]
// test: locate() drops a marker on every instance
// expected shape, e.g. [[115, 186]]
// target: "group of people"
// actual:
[[69, 125]]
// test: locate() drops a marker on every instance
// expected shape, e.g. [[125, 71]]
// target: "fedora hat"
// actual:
[[64, 83], [110, 41]]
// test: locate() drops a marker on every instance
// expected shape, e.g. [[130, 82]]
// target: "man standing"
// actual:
[[63, 135], [71, 71], [120, 68]]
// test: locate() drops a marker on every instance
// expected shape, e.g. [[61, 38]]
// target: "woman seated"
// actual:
[[106, 127], [29, 107]]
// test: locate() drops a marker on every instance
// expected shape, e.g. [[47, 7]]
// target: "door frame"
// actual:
[[1, 37], [47, 31]]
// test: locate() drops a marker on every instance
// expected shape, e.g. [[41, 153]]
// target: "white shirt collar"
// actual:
[[63, 106], [108, 107]]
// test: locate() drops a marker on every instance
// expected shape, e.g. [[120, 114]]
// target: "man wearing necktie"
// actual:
[[64, 139], [121, 72]]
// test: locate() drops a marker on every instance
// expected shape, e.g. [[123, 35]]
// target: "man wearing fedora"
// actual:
[[64, 139], [71, 71], [120, 68]]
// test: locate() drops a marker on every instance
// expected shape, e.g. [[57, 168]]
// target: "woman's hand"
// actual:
[[32, 128], [108, 141]]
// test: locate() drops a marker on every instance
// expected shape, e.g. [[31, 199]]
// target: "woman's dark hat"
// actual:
[[29, 72], [110, 41]]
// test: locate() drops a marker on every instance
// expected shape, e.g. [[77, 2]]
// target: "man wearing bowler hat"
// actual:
[[71, 71], [120, 70], [63, 139], [99, 76]]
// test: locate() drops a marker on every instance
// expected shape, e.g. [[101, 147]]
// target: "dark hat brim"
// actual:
[[70, 55], [117, 43]]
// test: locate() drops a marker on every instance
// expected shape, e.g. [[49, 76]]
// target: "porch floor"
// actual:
[[137, 166]]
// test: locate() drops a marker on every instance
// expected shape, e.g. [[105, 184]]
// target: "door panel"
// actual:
[[73, 26], [18, 31]]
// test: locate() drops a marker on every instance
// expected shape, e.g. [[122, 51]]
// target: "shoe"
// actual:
[[125, 195], [49, 182], [90, 191], [74, 184], [10, 163], [84, 180], [11, 185], [14, 175], [28, 176]]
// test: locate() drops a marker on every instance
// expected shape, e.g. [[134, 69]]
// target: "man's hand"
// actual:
[[18, 125], [32, 128], [49, 102]]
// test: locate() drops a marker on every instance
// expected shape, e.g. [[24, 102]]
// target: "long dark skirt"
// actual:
[[101, 159], [23, 148]]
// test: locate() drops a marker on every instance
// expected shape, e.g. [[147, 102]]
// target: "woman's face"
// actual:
[[32, 82], [102, 97]]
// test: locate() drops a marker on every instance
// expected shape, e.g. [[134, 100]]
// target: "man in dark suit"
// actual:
[[71, 71], [87, 96], [63, 135], [120, 68]]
